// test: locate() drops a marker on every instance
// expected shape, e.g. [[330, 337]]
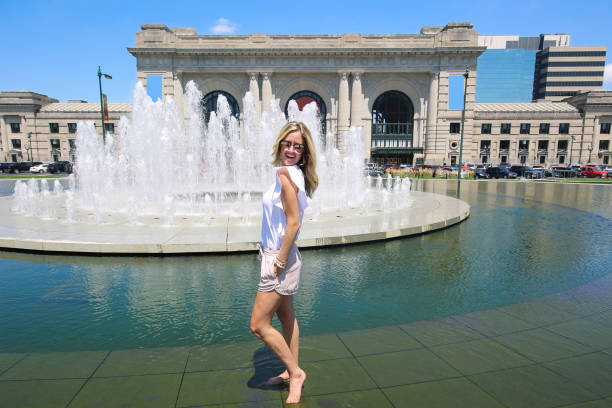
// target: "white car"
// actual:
[[41, 168]]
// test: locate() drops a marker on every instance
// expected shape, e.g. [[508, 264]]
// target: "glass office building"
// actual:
[[505, 75]]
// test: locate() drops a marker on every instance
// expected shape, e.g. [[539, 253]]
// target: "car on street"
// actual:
[[565, 172], [6, 167], [19, 167], [39, 168], [593, 171], [60, 167], [546, 172], [480, 174], [500, 172], [608, 169], [526, 171], [373, 170]]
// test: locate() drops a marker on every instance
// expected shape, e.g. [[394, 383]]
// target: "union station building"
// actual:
[[396, 87]]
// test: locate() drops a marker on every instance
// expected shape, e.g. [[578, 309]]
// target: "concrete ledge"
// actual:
[[422, 213]]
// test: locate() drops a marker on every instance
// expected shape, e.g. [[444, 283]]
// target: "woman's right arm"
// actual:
[[289, 192]]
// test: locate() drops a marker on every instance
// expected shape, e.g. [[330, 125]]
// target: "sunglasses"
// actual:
[[299, 148]]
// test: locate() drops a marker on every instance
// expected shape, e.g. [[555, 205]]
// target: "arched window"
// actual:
[[303, 98], [209, 104], [392, 113]]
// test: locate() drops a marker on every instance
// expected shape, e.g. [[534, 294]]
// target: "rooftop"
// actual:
[[524, 107], [85, 107]]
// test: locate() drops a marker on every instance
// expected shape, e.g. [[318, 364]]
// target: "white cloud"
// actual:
[[608, 77], [224, 26]]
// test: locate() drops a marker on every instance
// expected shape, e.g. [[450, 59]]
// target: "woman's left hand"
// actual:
[[277, 271]]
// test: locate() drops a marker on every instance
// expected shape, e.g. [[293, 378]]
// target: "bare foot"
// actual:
[[282, 378], [295, 387]]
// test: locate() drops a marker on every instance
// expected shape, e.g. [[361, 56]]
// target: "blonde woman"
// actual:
[[283, 208]]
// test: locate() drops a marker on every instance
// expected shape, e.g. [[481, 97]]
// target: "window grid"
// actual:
[[110, 127]]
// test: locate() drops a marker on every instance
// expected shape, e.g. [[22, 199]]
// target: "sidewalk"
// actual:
[[555, 351]]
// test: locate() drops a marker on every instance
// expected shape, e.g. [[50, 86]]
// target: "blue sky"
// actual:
[[55, 47]]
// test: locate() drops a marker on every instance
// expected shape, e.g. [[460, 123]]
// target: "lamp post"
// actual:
[[590, 149], [100, 74], [571, 150], [466, 75], [30, 158]]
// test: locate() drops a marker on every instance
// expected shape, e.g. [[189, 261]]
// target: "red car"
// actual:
[[593, 171]]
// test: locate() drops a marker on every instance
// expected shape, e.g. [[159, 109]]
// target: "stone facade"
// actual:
[[348, 72], [34, 127]]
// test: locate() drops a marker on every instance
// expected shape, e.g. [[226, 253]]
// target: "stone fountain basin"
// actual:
[[425, 212]]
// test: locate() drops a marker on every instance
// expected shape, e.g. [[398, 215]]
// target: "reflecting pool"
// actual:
[[523, 240]]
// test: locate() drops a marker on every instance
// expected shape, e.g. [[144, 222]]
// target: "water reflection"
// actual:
[[519, 243]]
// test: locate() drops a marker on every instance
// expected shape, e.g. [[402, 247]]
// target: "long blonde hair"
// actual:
[[308, 161]]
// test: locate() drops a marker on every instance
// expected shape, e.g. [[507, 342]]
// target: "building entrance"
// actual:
[[392, 129]]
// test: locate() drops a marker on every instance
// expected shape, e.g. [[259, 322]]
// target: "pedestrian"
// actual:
[[281, 263]]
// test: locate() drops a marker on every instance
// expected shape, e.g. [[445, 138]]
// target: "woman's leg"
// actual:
[[266, 304], [291, 334]]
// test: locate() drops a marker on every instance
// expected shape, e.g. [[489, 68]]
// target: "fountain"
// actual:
[[169, 170]]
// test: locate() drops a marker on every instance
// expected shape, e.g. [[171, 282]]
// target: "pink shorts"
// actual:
[[289, 279]]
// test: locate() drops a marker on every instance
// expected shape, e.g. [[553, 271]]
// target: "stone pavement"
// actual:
[[555, 351]]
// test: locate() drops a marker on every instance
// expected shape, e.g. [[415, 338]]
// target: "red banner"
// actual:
[[105, 104]]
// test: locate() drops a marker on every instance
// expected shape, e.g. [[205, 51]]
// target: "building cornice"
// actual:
[[239, 52]]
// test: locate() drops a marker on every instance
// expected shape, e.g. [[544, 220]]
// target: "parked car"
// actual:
[[608, 169], [373, 170], [500, 172], [390, 167], [19, 167], [60, 167], [39, 168], [480, 173], [560, 171], [527, 172], [593, 171], [6, 167], [546, 172]]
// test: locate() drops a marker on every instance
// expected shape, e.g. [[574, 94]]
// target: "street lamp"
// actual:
[[466, 75], [571, 150], [30, 158], [100, 74], [590, 149]]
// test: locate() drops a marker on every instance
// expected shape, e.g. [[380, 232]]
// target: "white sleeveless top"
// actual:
[[274, 219]]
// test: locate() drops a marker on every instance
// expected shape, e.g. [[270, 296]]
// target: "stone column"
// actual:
[[254, 89], [356, 100], [266, 91], [178, 90], [432, 112], [343, 109]]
